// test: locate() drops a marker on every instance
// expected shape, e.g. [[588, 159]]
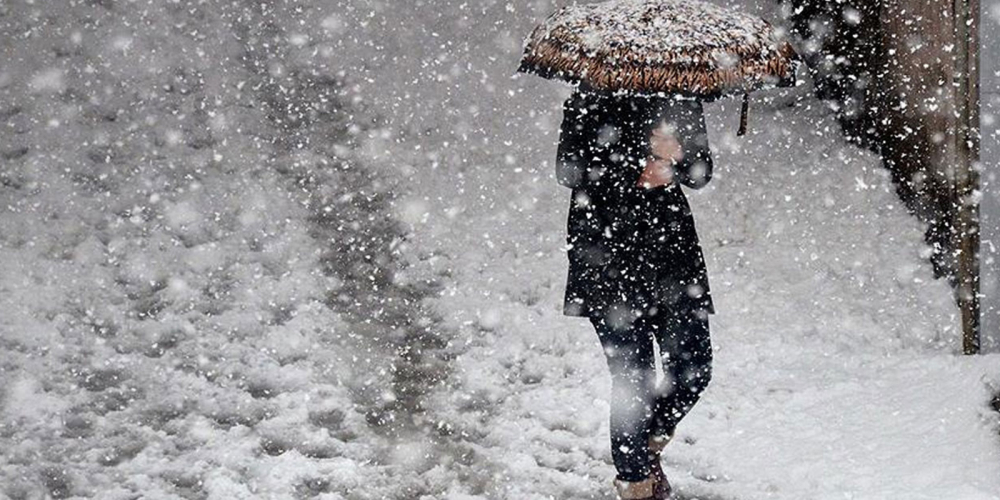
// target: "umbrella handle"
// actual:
[[744, 109]]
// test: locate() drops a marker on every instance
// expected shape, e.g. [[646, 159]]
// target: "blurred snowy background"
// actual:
[[314, 249]]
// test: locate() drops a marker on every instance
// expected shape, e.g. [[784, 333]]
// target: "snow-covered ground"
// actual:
[[196, 213], [191, 303], [836, 374]]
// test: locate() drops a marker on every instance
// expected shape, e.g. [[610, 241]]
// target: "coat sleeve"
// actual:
[[575, 143], [694, 169]]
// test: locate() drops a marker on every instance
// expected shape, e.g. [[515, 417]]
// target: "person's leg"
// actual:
[[686, 353], [629, 353]]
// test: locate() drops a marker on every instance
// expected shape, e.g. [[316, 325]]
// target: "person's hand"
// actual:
[[658, 172], [665, 152], [663, 144]]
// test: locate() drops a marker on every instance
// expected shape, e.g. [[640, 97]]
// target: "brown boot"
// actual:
[[661, 490], [636, 490]]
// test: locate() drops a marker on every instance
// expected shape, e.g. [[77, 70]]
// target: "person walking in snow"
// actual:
[[633, 132], [636, 268]]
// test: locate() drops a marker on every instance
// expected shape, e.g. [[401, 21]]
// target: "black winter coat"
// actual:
[[632, 250]]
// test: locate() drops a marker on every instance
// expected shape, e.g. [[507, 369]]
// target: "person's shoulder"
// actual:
[[591, 101], [678, 106]]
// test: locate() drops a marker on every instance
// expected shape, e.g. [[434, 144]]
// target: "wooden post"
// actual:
[[966, 179], [743, 114]]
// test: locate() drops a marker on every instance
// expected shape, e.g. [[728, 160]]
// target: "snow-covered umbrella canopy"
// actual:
[[650, 46]]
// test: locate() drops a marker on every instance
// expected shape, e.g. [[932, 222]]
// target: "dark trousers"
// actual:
[[640, 408]]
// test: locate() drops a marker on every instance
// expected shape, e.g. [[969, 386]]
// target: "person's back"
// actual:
[[615, 219]]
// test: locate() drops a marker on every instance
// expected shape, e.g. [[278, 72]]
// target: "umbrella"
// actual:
[[660, 46]]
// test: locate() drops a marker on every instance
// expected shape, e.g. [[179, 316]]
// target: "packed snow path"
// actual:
[[836, 374]]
